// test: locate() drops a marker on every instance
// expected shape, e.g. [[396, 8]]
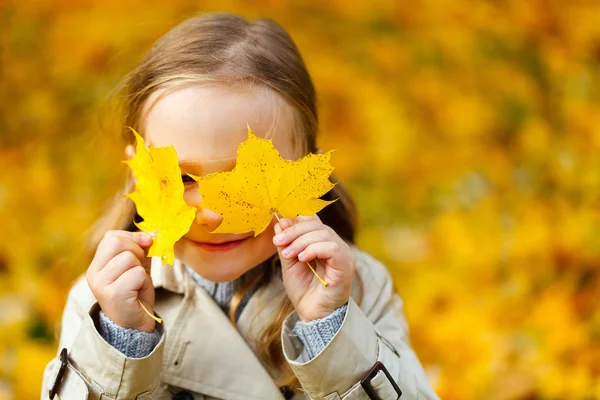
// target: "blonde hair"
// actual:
[[225, 48]]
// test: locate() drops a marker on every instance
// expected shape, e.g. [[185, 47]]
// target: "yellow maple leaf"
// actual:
[[158, 197], [263, 184]]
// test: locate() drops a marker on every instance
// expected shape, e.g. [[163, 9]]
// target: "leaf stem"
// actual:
[[323, 282], [159, 320]]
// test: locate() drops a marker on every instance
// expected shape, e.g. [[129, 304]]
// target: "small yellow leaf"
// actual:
[[158, 197], [262, 184]]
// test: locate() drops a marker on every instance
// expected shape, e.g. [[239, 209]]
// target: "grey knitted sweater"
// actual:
[[315, 335]]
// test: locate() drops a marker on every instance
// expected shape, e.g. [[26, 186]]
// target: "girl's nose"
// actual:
[[209, 219]]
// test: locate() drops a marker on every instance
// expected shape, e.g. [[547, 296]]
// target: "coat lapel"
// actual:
[[204, 352], [263, 306]]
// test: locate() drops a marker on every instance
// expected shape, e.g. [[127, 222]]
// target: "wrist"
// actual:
[[313, 315], [141, 323], [132, 343], [316, 335]]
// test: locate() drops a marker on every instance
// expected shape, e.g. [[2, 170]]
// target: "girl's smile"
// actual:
[[221, 245]]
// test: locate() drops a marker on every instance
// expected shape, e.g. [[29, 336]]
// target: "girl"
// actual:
[[244, 316]]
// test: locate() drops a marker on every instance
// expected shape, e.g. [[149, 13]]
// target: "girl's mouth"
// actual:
[[224, 246]]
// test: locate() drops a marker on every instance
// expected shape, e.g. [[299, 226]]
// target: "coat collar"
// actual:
[[171, 279], [204, 352]]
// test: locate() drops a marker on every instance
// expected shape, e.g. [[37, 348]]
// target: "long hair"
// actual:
[[226, 49]]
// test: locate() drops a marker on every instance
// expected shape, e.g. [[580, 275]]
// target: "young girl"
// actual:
[[244, 316]]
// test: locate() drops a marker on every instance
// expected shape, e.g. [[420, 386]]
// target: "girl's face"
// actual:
[[205, 123]]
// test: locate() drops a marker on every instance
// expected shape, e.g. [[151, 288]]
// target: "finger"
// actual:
[[132, 280], [115, 242], [298, 245], [322, 250], [111, 247], [293, 232], [303, 218], [144, 239], [286, 223], [116, 267]]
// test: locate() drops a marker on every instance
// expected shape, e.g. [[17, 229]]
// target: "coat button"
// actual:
[[183, 396], [287, 392]]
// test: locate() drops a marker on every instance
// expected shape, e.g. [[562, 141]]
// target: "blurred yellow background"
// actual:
[[469, 133]]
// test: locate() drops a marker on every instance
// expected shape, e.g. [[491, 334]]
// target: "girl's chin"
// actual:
[[220, 275], [216, 265]]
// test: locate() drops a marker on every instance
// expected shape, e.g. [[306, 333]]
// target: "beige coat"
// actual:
[[202, 353]]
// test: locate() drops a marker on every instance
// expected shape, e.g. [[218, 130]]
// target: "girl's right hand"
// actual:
[[119, 275]]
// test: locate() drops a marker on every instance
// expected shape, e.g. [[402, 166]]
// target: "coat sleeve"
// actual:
[[95, 369], [372, 333]]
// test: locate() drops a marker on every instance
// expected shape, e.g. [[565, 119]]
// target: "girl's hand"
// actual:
[[120, 274], [308, 239]]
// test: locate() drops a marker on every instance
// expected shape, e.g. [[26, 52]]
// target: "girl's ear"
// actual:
[[129, 151]]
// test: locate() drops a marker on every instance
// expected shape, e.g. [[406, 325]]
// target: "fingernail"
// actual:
[[278, 238], [301, 255], [146, 238], [286, 252]]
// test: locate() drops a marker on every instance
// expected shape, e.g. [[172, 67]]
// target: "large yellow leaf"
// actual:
[[158, 197], [263, 184]]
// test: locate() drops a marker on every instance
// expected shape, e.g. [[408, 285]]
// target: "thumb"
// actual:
[[277, 228]]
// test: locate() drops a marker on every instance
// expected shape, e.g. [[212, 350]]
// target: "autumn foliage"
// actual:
[[158, 197], [468, 132]]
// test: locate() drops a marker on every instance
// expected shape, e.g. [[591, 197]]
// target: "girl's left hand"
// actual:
[[308, 239]]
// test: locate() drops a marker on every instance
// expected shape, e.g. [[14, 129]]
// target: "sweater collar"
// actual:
[[174, 279]]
